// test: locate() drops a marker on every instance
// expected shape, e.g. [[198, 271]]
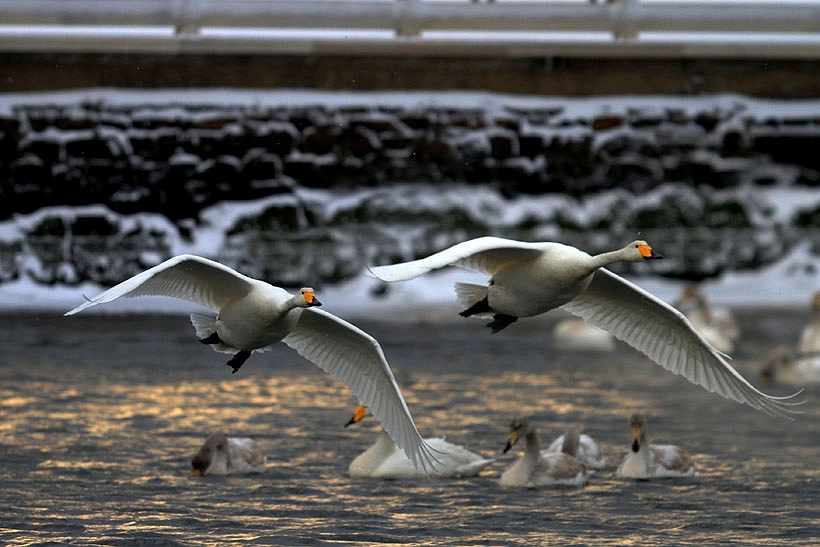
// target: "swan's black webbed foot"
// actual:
[[501, 321], [238, 360], [212, 339], [482, 306]]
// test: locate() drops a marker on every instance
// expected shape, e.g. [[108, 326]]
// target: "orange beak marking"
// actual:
[[309, 296], [359, 413], [645, 250]]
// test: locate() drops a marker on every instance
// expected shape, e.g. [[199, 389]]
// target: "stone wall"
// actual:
[[700, 163]]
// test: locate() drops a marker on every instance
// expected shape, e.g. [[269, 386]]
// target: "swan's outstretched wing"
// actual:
[[665, 335], [188, 277], [357, 359], [484, 254]]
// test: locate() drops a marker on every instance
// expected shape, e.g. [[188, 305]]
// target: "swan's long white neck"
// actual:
[[295, 301], [373, 457], [571, 442], [607, 258], [532, 453], [638, 462]]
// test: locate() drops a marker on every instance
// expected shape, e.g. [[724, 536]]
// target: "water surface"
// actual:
[[100, 415]]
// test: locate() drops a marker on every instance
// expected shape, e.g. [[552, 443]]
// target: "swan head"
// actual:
[[213, 457], [637, 426], [308, 298], [358, 415], [640, 250], [518, 427]]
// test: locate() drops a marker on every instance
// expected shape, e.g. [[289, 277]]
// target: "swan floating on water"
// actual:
[[223, 455], [717, 325], [383, 460], [540, 468], [652, 461], [785, 367], [528, 279], [580, 445], [252, 315], [577, 335], [810, 335]]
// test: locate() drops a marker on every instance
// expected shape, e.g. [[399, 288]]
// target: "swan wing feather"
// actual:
[[655, 328], [356, 358], [188, 277], [484, 254]]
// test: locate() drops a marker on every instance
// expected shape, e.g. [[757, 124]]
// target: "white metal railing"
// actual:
[[413, 26]]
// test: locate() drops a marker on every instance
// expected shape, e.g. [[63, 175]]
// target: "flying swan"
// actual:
[[252, 315], [528, 279]]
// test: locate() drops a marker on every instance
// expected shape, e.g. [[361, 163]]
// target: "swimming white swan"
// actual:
[[539, 468], [784, 367], [580, 445], [529, 279], [383, 460], [652, 461], [222, 455], [717, 325], [810, 335], [575, 334], [253, 315]]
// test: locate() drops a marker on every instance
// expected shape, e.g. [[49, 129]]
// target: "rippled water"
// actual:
[[99, 416]]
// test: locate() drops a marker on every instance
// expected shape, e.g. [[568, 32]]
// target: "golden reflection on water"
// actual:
[[103, 453]]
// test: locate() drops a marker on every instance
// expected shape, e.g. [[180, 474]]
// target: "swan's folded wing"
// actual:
[[484, 254], [188, 277], [663, 333], [357, 359]]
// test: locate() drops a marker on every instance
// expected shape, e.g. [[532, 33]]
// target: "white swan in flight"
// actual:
[[652, 461], [252, 315], [223, 455], [383, 460], [528, 279]]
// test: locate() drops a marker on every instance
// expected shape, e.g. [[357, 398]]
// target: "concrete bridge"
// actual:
[[560, 47]]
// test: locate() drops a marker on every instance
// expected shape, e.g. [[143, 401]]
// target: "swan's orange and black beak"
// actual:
[[647, 252], [636, 438], [513, 438], [358, 415], [310, 299]]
